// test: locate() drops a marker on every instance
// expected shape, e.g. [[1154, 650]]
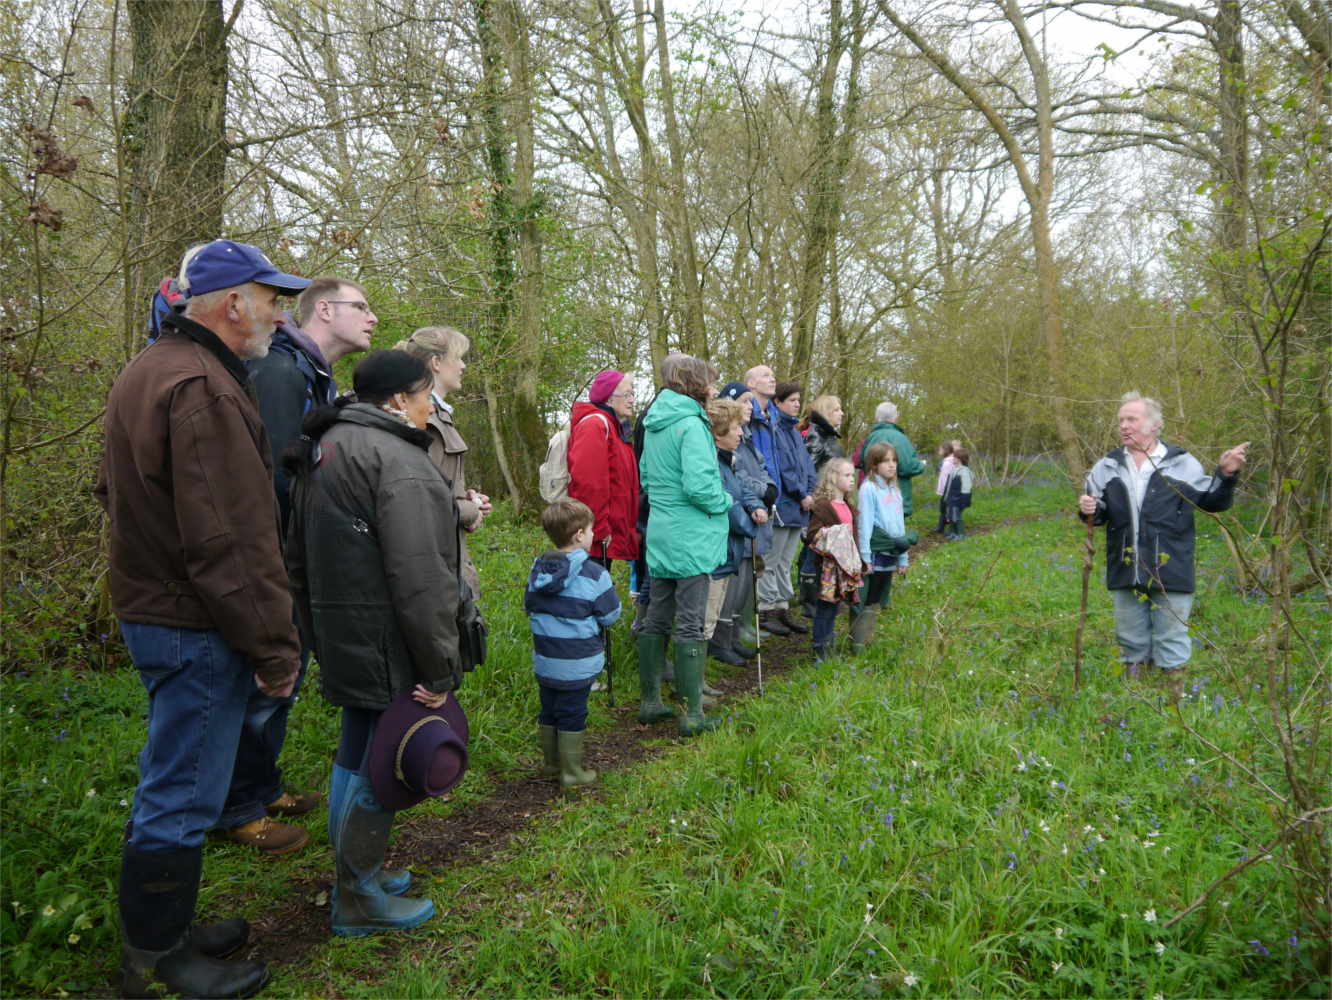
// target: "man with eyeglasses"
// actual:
[[295, 377]]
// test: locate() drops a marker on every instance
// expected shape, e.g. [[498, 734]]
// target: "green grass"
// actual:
[[942, 816]]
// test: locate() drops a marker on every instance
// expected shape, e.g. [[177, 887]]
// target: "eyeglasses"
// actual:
[[360, 304], [622, 395]]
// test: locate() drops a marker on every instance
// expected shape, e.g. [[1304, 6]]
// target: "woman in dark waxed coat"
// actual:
[[821, 427], [373, 554]]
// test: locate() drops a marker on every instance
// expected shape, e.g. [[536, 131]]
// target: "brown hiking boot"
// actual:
[[269, 837], [288, 804]]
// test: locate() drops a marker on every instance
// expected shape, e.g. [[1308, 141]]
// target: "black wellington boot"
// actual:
[[158, 890]]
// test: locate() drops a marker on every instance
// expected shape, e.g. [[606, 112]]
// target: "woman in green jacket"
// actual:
[[686, 539]]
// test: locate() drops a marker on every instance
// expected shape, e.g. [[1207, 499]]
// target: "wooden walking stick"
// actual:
[[1088, 551], [758, 632]]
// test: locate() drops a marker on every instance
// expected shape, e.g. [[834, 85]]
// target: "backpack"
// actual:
[[166, 300], [554, 471]]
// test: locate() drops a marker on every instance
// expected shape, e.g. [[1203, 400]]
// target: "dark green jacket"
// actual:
[[373, 555], [909, 464]]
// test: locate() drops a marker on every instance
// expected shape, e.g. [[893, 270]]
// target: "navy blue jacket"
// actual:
[[741, 524], [763, 431], [797, 478], [289, 382], [753, 472], [1152, 547]]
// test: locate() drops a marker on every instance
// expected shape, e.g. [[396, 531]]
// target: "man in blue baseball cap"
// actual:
[[200, 590]]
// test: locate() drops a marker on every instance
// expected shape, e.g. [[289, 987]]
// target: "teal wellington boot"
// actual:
[[689, 660], [395, 883], [360, 906], [651, 659]]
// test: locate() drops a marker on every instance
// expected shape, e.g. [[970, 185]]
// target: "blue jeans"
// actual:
[[257, 779], [825, 620], [564, 709], [197, 691], [1153, 625]]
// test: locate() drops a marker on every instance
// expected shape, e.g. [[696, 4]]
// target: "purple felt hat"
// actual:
[[603, 385], [417, 752]]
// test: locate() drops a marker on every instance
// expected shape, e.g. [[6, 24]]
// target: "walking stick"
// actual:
[[610, 669], [758, 632], [1088, 550], [610, 656]]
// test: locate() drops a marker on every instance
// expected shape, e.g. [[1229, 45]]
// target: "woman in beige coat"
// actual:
[[443, 349]]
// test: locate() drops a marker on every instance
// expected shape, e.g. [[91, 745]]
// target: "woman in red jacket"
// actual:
[[602, 470]]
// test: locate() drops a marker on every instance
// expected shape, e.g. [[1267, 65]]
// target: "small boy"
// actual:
[[570, 601], [957, 496]]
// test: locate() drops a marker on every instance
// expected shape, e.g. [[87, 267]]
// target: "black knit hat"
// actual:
[[382, 373], [733, 390]]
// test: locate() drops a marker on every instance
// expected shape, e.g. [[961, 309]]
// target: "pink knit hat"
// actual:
[[603, 385]]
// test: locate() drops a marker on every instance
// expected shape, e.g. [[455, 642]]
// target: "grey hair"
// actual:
[[182, 279], [1152, 407], [885, 413]]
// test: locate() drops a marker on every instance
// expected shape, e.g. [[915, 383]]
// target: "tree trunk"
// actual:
[[694, 333], [638, 201], [1232, 107], [174, 136], [524, 409], [1038, 191], [834, 136], [500, 283]]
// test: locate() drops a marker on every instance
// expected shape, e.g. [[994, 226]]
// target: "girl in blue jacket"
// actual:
[[880, 506]]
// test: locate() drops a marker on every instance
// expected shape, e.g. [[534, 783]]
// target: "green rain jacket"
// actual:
[[909, 464], [687, 525]]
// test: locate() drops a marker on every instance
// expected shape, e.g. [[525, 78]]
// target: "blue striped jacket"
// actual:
[[569, 600]]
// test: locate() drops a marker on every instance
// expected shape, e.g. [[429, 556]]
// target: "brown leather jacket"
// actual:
[[187, 482]]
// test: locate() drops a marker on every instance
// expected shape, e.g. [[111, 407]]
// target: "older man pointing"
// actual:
[[1145, 493]]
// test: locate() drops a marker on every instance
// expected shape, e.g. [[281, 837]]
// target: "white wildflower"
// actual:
[[1159, 948], [90, 793], [1149, 915], [1059, 932], [1056, 966], [910, 979]]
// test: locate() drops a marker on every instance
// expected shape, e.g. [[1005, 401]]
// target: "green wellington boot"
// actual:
[[550, 753], [651, 659], [572, 771], [689, 659], [862, 628]]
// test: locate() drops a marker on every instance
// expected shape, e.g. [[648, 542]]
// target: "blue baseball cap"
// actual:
[[226, 264]]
